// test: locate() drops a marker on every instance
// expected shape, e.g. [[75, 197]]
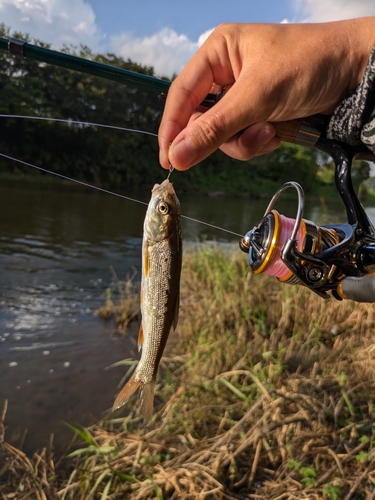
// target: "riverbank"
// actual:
[[266, 392], [323, 190]]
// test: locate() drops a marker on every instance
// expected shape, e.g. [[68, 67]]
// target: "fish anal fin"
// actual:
[[126, 392], [147, 400], [140, 337]]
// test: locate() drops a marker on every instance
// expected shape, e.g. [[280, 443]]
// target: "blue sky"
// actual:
[[192, 17], [162, 34]]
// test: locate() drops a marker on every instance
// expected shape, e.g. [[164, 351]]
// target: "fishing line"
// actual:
[[75, 122], [72, 180]]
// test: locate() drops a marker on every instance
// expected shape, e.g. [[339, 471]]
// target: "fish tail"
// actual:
[[126, 392], [147, 400]]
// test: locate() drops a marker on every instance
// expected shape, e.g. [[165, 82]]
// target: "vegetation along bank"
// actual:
[[267, 391]]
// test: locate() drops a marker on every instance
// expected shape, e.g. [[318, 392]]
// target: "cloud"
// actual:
[[58, 22], [333, 10], [167, 51]]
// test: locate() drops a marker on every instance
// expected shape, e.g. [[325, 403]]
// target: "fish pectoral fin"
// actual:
[[126, 392], [140, 337], [146, 261]]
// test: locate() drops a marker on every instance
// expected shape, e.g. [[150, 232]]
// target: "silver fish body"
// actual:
[[160, 291]]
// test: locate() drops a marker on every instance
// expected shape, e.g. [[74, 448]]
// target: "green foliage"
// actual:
[[98, 155], [307, 474], [332, 492], [362, 456], [116, 158]]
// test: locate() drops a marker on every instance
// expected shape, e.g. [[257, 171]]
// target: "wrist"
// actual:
[[361, 43]]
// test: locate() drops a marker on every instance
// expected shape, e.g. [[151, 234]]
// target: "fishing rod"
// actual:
[[18, 47], [337, 259]]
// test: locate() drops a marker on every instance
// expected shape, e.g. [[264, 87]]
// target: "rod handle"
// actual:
[[306, 131]]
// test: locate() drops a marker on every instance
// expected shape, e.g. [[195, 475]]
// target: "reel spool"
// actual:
[[279, 244], [338, 258], [266, 242]]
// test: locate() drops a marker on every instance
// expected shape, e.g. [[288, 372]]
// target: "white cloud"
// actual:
[[167, 51], [333, 10], [58, 22]]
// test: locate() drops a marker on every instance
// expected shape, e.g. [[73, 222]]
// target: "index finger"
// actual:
[[186, 94]]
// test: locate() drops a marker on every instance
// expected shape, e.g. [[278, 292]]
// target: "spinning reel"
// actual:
[[336, 258]]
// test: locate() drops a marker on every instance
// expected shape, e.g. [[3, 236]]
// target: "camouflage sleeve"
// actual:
[[353, 121]]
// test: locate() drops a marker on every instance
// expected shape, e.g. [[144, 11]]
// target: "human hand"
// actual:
[[273, 72]]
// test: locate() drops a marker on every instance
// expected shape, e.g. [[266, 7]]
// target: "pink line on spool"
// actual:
[[277, 267]]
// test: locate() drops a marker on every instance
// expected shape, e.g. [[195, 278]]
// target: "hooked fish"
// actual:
[[160, 291]]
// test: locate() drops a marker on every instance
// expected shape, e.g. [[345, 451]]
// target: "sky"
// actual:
[[162, 34]]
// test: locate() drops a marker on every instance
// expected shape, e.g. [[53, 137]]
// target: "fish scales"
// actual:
[[158, 299], [160, 290]]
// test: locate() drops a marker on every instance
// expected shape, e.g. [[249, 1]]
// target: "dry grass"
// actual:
[[267, 392], [125, 308], [22, 476]]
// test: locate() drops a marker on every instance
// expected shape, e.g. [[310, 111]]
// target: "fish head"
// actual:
[[163, 213]]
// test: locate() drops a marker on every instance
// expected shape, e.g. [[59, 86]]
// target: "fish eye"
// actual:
[[163, 208]]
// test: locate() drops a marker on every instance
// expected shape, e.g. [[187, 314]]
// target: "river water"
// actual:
[[57, 246]]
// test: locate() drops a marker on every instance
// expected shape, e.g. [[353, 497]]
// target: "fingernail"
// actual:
[[265, 135], [183, 154]]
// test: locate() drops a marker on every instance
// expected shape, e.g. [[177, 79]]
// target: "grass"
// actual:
[[121, 303], [266, 391]]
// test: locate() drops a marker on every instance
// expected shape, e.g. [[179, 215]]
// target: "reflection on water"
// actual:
[[56, 249]]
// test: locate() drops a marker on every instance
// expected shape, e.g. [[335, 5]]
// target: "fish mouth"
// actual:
[[160, 188]]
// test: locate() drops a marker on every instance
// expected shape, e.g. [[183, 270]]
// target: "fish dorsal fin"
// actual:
[[140, 337]]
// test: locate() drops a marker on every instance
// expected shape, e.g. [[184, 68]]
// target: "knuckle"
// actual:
[[225, 28], [211, 131]]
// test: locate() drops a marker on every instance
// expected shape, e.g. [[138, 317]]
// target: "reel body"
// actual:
[[336, 258]]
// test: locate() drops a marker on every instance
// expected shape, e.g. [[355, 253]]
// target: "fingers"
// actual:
[[226, 127], [277, 72], [206, 132], [255, 140], [252, 141], [208, 71]]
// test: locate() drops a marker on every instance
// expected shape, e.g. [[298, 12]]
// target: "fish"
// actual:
[[160, 292]]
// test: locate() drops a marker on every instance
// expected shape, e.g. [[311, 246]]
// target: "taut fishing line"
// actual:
[[70, 179], [90, 124], [75, 122]]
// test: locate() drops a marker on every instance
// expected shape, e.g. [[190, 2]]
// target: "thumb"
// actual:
[[208, 131], [201, 137]]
